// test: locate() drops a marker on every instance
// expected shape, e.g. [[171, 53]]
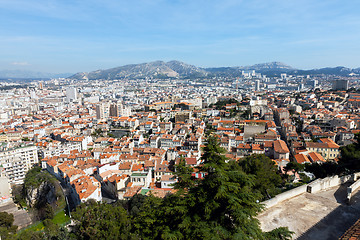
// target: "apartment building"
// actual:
[[328, 149], [16, 162]]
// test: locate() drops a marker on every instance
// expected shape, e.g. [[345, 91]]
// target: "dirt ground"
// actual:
[[323, 215]]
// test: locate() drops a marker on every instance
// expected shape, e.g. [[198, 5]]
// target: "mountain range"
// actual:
[[177, 69], [161, 69]]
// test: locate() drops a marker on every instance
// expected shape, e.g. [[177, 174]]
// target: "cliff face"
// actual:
[[45, 193], [42, 193]]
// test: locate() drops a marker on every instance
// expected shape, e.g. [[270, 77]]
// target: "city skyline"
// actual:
[[64, 36]]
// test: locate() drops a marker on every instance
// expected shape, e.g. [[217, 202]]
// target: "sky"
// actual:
[[68, 36]]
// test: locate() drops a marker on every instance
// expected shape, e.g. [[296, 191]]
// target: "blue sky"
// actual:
[[74, 35]]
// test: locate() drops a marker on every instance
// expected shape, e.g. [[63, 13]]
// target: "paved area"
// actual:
[[22, 218], [323, 215]]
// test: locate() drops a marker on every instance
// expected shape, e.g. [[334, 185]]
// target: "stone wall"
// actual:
[[326, 183], [352, 188], [313, 187], [285, 196]]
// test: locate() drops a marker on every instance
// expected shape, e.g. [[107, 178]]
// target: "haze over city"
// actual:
[[72, 36]]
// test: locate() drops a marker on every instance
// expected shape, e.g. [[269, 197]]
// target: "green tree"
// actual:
[[267, 180], [350, 155], [48, 212], [183, 174], [97, 133], [6, 219], [53, 231], [133, 205], [7, 229], [281, 233], [323, 170], [30, 235], [224, 199], [222, 103], [221, 206], [294, 166], [95, 220]]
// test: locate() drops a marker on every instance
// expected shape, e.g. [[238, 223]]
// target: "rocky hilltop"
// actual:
[[177, 69], [41, 193], [158, 69]]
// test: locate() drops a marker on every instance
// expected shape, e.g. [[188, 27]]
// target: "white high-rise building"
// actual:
[[102, 110], [16, 162], [71, 94], [125, 111]]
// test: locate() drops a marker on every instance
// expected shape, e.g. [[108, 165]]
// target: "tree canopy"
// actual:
[[267, 180], [222, 103], [7, 229], [95, 220], [350, 155]]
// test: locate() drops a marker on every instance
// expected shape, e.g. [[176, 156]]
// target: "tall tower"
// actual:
[[71, 94], [114, 110], [102, 110], [342, 84], [99, 111], [257, 85]]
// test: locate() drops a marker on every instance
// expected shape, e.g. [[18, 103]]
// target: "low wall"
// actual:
[[356, 176], [329, 182], [313, 187], [352, 188], [285, 195]]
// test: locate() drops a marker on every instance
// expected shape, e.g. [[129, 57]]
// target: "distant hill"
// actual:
[[263, 68], [177, 69], [158, 69], [339, 71]]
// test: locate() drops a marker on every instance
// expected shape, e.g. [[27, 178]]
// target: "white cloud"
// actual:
[[20, 63]]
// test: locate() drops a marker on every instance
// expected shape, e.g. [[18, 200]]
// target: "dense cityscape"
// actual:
[[179, 120], [111, 140]]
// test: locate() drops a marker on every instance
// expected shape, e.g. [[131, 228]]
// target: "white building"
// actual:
[[16, 162], [141, 178], [71, 94], [102, 110]]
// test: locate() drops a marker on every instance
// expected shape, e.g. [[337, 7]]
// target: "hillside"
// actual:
[[177, 69], [158, 69]]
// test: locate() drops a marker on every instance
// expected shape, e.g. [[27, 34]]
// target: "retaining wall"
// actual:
[[329, 182], [313, 187], [356, 176], [352, 188], [285, 195]]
